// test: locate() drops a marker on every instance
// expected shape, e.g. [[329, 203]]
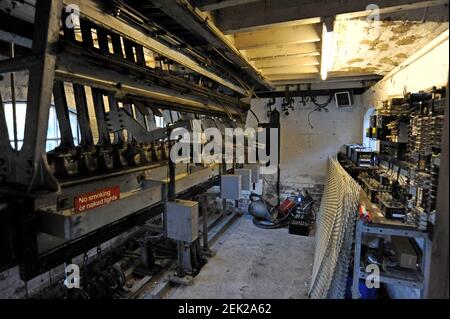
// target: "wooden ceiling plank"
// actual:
[[286, 61], [272, 12], [212, 5], [315, 77], [284, 70], [285, 35], [301, 49]]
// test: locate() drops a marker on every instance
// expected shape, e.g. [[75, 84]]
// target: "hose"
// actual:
[[265, 224], [280, 223]]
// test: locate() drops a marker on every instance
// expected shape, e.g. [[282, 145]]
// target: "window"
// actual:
[[174, 116], [159, 121], [21, 109], [53, 133], [368, 142]]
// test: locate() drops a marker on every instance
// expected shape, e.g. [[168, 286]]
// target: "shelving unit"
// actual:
[[350, 167], [380, 226], [402, 164]]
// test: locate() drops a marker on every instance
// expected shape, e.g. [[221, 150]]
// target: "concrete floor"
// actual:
[[254, 263]]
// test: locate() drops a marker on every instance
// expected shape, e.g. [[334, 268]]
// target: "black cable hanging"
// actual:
[[319, 108]]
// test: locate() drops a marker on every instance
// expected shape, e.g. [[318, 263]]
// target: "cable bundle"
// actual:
[[335, 231]]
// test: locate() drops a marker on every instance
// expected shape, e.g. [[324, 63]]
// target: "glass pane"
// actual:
[[166, 116], [21, 112], [21, 109], [52, 131], [51, 145], [9, 120], [74, 127], [159, 120]]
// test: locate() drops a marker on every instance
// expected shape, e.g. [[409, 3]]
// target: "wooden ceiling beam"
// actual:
[[268, 52], [94, 10], [275, 36], [271, 12], [212, 5], [289, 70], [286, 61], [301, 78]]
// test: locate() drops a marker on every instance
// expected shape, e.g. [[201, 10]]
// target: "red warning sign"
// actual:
[[96, 199]]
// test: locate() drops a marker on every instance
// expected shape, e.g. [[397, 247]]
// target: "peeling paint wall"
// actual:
[[428, 71], [304, 150], [365, 46]]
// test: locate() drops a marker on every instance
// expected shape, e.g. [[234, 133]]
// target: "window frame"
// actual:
[[14, 140]]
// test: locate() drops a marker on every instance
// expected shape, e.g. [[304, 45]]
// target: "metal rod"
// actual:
[[13, 101], [62, 114], [128, 107], [86, 33], [129, 53], [83, 115], [205, 223], [117, 45], [119, 137], [99, 107], [5, 145], [180, 248], [102, 37], [140, 55], [224, 207], [171, 194], [140, 117]]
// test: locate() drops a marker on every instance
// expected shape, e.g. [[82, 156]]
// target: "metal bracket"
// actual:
[[120, 119]]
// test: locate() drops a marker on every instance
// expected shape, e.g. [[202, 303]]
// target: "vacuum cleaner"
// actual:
[[293, 212]]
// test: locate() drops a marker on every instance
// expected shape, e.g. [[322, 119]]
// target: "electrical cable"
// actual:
[[323, 105], [256, 117], [248, 90], [319, 107], [309, 118], [266, 225]]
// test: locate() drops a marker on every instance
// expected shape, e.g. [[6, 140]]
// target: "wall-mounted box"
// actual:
[[405, 252], [246, 178], [230, 186], [255, 172], [182, 220]]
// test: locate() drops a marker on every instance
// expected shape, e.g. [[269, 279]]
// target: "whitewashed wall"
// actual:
[[304, 150]]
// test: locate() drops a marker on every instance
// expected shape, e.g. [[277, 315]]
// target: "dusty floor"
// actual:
[[254, 263]]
